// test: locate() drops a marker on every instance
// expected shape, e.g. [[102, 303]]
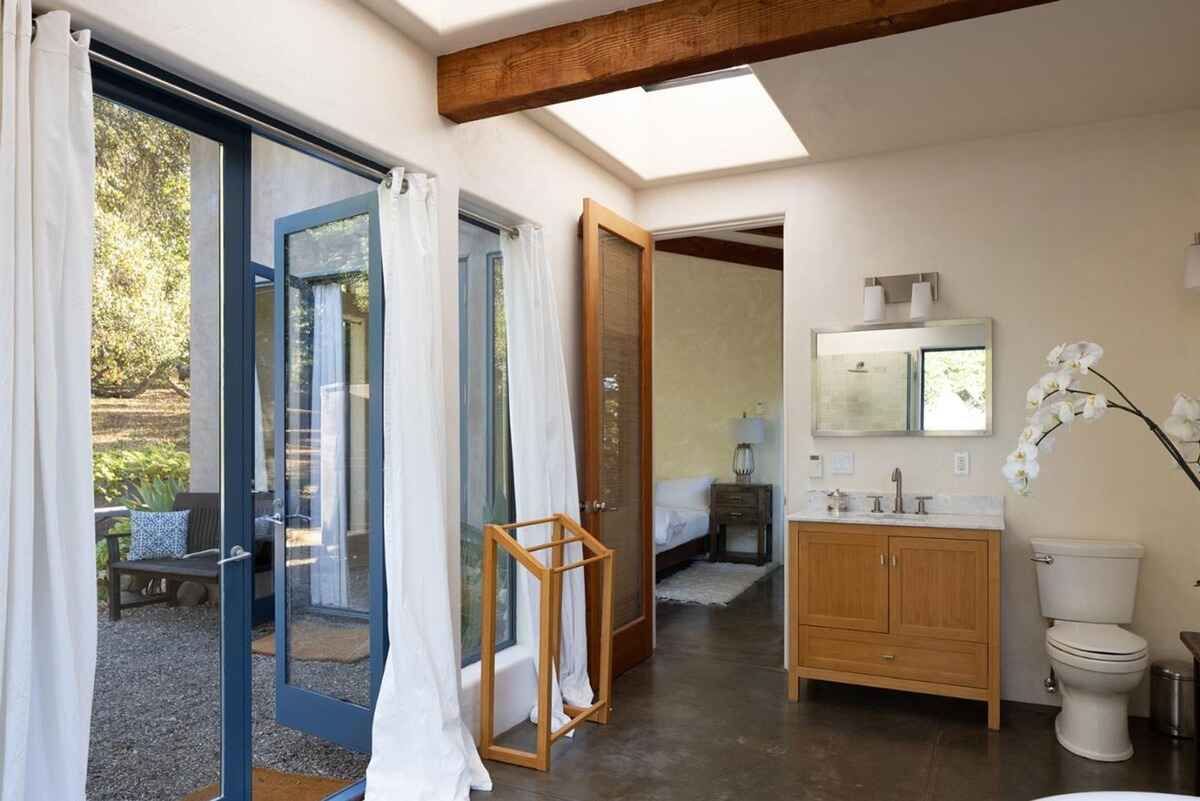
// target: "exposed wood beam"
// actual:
[[671, 39], [705, 247], [767, 230]]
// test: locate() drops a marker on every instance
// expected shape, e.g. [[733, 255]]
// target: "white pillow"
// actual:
[[684, 493]]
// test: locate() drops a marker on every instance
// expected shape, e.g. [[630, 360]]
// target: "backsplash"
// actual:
[[861, 501]]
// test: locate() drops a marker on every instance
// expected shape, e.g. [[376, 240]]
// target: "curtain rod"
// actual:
[[256, 123], [511, 230]]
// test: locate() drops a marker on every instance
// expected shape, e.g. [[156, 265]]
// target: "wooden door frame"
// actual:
[[595, 217]]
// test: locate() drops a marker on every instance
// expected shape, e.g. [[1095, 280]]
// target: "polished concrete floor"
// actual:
[[708, 718]]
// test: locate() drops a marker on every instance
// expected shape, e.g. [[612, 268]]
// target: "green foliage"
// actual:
[[141, 282], [156, 495], [129, 472]]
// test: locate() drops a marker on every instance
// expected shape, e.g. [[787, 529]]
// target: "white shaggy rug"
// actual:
[[710, 583]]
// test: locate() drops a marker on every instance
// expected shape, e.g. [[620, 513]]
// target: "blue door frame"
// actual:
[[338, 721]]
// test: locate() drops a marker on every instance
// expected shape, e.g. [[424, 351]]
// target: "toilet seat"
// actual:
[[1096, 643]]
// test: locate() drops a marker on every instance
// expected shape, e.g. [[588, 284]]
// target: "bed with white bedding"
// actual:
[[673, 526], [681, 520]]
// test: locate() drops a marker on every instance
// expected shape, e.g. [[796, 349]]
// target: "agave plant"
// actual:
[[1058, 400], [156, 495]]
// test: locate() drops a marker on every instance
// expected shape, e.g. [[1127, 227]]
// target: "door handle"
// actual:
[[236, 554], [594, 506]]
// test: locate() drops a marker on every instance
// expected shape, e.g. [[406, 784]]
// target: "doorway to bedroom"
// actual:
[[718, 443]]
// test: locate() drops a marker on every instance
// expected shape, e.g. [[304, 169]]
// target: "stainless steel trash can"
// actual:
[[1171, 692]]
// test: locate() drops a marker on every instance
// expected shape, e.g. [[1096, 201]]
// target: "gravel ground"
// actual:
[[156, 717]]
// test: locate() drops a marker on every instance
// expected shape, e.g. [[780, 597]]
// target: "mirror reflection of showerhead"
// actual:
[[860, 367]]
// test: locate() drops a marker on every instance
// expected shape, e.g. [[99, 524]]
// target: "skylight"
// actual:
[[717, 122]]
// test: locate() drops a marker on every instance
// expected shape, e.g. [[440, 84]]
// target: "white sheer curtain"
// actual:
[[543, 444], [329, 572], [47, 540], [421, 749]]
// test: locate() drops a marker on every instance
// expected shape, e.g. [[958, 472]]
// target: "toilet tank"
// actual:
[[1091, 581]]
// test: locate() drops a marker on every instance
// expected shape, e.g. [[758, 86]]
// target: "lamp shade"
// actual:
[[749, 430], [873, 304], [922, 300], [1191, 274]]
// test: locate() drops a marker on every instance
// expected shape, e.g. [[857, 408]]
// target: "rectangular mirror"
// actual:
[[931, 378]]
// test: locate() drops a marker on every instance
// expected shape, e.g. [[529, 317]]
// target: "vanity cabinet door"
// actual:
[[939, 588], [843, 581]]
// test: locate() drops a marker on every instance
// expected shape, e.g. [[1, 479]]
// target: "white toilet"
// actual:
[[1087, 588]]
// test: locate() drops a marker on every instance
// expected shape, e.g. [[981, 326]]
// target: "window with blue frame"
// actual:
[[486, 490]]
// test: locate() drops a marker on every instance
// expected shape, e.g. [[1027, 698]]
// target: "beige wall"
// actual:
[[718, 350], [1059, 235]]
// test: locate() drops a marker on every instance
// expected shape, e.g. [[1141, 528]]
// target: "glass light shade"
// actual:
[[743, 463], [1191, 274], [922, 300], [749, 430], [873, 304]]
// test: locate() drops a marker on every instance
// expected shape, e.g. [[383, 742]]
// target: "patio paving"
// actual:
[[156, 717]]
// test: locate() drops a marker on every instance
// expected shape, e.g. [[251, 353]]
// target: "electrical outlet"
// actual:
[[816, 466], [841, 463], [962, 463]]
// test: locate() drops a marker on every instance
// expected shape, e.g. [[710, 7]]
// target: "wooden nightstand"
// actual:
[[740, 505]]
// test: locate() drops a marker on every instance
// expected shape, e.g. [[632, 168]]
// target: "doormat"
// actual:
[[310, 641], [271, 785], [710, 583]]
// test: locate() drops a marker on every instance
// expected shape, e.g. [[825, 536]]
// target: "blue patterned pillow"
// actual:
[[158, 535]]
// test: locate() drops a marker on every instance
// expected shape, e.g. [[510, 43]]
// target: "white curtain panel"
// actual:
[[329, 571], [47, 539], [260, 442], [421, 749], [543, 444]]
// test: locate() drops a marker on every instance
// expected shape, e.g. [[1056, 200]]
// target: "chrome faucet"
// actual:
[[898, 504]]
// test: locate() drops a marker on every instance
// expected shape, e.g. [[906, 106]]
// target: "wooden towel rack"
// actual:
[[550, 579]]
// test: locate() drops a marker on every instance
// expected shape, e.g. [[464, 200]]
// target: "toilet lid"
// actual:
[[1097, 641]]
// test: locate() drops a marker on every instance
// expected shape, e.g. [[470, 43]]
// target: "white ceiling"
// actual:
[[444, 26], [1062, 64], [1066, 63]]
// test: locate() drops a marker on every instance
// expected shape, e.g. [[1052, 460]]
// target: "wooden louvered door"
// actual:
[[617, 493]]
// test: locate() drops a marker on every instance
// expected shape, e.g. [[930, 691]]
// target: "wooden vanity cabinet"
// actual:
[[901, 607]]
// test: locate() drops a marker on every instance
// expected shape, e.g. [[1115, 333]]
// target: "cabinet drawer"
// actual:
[[917, 658], [738, 517], [736, 497]]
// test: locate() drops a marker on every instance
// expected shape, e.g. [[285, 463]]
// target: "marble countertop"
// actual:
[[984, 512]]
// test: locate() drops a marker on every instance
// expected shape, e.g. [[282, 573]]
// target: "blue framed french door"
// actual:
[[235, 322], [330, 635]]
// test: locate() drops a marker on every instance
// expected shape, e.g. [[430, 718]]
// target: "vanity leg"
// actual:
[[994, 714], [793, 685]]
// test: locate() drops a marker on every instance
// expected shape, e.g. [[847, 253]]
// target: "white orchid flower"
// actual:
[[1054, 357], [1181, 429], [1020, 471], [1084, 356], [1053, 383], [1020, 486], [1094, 406], [1034, 397], [1186, 407], [1065, 412], [1030, 434]]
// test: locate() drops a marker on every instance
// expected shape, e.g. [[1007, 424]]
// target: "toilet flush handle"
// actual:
[[1044, 558]]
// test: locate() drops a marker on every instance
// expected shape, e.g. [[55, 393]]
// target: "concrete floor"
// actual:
[[707, 718]]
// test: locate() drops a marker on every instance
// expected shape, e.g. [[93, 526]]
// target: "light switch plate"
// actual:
[[816, 466], [962, 463], [841, 463]]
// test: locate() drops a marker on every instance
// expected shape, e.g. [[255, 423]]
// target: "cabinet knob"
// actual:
[[887, 657]]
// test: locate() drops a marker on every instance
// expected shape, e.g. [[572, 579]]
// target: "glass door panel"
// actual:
[[329, 635]]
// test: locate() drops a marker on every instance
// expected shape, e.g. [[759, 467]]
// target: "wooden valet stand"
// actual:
[[550, 634]]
